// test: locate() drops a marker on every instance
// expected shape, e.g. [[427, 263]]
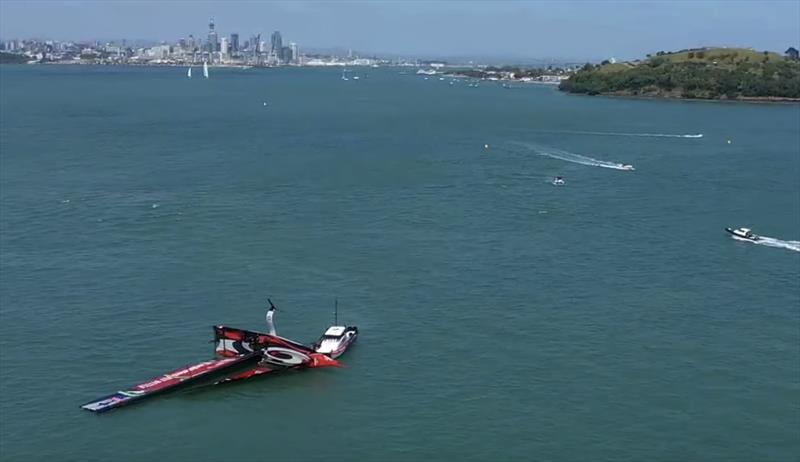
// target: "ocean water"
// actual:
[[501, 318]]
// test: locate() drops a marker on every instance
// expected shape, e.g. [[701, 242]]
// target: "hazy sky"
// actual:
[[527, 30]]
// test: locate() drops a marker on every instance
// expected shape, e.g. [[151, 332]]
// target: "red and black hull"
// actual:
[[240, 354], [206, 372]]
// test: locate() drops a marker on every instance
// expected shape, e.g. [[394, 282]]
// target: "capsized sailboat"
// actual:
[[239, 354]]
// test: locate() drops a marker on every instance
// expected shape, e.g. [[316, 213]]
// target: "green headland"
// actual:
[[704, 73]]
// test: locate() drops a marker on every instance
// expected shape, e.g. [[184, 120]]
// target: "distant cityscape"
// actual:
[[215, 49]]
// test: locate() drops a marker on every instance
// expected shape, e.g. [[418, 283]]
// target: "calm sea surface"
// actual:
[[501, 318]]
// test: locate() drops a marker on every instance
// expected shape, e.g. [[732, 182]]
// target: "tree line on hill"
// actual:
[[695, 76]]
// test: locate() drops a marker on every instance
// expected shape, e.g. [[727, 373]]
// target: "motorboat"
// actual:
[[743, 233], [626, 166], [558, 181], [336, 340]]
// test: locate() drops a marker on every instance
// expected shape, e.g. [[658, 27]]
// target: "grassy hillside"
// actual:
[[711, 73]]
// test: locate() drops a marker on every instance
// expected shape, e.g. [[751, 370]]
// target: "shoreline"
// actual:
[[748, 100]]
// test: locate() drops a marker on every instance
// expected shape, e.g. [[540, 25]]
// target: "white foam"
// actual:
[[652, 135], [772, 242], [572, 157]]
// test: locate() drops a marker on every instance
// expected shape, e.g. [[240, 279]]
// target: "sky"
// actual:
[[589, 29]]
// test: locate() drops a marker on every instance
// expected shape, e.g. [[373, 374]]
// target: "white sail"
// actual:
[[189, 73], [270, 324], [205, 69]]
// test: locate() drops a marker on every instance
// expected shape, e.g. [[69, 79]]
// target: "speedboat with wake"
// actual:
[[743, 233], [239, 354], [558, 181], [625, 167]]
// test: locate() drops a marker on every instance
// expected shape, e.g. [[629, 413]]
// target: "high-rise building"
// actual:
[[295, 53], [213, 41], [277, 44], [234, 43], [223, 46], [286, 55]]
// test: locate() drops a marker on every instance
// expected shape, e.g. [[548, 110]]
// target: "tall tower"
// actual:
[[277, 45], [213, 42], [234, 43]]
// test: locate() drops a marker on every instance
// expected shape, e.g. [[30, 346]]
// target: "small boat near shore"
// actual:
[[743, 233]]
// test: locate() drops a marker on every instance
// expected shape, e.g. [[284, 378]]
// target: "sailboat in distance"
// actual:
[[205, 69], [189, 73]]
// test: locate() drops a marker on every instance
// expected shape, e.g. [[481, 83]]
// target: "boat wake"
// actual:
[[646, 135], [772, 242], [572, 157]]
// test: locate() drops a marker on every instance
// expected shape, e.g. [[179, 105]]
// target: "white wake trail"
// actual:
[[572, 157], [651, 135], [772, 242]]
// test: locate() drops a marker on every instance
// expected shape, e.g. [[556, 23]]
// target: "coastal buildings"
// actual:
[[214, 46], [216, 49]]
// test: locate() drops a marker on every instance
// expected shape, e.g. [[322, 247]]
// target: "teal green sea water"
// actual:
[[502, 318]]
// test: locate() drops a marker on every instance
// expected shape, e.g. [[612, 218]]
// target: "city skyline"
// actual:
[[576, 30]]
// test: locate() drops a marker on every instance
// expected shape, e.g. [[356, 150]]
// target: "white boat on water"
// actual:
[[344, 77], [743, 233], [189, 73], [205, 69], [558, 181], [337, 339]]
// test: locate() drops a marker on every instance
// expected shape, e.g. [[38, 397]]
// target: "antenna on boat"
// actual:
[[336, 312]]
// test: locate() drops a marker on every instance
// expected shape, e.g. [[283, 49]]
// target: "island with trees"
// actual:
[[703, 73]]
